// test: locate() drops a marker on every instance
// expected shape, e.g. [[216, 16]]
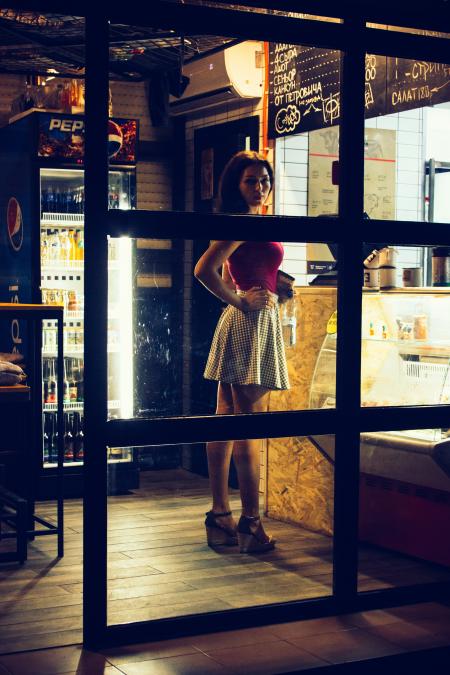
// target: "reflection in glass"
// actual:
[[159, 561], [404, 508]]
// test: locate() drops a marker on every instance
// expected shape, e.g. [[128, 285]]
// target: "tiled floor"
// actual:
[[280, 648]]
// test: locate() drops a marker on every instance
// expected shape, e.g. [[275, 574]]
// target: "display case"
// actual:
[[42, 153], [405, 475]]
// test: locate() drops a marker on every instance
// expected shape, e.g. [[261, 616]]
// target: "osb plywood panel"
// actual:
[[300, 488], [299, 479], [313, 308]]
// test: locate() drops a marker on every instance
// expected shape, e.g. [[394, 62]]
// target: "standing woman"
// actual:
[[247, 353]]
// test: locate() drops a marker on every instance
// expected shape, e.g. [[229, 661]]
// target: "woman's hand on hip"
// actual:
[[258, 298]]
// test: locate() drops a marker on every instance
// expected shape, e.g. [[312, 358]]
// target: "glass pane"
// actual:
[[405, 336], [260, 10], [170, 340], [404, 508], [192, 119], [414, 31], [159, 561], [407, 154]]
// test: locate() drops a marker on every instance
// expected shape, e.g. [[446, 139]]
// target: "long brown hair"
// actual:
[[230, 198]]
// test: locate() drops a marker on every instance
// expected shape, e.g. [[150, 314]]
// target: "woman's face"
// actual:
[[254, 186]]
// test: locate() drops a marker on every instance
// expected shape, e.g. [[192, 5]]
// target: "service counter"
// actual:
[[405, 476]]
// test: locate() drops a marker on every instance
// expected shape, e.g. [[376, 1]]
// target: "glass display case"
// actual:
[[405, 475], [405, 351], [62, 282]]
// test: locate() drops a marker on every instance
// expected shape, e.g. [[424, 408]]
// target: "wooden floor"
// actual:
[[160, 566]]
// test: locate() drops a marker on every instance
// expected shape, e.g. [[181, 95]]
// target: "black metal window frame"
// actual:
[[348, 420]]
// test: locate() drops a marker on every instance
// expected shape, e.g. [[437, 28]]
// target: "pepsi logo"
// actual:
[[115, 138], [14, 224]]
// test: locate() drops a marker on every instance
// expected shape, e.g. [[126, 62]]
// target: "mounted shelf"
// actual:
[[62, 219]]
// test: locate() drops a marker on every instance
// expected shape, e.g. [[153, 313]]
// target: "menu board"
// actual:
[[304, 87], [304, 92], [379, 172], [412, 84]]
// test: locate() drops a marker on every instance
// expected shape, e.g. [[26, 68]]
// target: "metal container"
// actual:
[[440, 266], [412, 276], [372, 278], [388, 256]]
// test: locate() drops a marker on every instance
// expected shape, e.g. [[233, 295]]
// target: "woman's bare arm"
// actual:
[[207, 271], [226, 276]]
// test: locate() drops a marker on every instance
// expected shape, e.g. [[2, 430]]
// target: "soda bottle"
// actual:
[[80, 245], [53, 434], [66, 394], [44, 248], [52, 384], [69, 200], [68, 439], [73, 384], [45, 379], [73, 246], [46, 437], [55, 249], [50, 200], [44, 201], [78, 438], [80, 383]]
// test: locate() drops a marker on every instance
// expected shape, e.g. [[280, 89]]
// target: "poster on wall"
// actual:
[[379, 182], [304, 87], [379, 173], [61, 137]]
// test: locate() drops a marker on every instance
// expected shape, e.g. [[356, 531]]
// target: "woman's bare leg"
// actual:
[[246, 453], [219, 457]]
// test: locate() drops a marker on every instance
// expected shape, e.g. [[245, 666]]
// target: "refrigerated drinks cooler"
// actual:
[[42, 163], [405, 475]]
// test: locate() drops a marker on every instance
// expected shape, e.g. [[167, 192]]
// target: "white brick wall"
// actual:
[[291, 165]]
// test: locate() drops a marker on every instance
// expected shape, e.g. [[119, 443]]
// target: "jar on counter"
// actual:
[[440, 266], [388, 277], [420, 327]]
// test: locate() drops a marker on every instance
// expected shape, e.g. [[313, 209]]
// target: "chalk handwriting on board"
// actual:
[[304, 87], [287, 119]]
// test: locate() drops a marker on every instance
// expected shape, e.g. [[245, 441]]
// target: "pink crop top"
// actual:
[[256, 263]]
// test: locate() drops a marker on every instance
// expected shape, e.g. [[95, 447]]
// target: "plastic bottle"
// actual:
[[289, 324], [79, 245], [55, 249], [68, 439], [73, 246], [52, 384], [78, 437]]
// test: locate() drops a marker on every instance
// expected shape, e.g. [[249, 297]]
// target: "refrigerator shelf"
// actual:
[[77, 351], [72, 352], [61, 266], [73, 316], [62, 219], [53, 465], [76, 406]]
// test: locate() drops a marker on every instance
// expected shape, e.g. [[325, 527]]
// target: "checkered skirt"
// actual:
[[248, 348]]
